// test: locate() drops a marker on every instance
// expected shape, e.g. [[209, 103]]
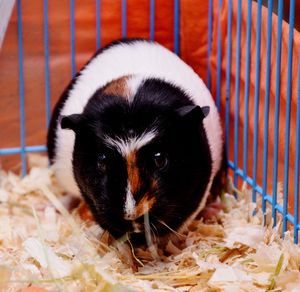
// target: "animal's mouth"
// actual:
[[137, 227], [148, 225]]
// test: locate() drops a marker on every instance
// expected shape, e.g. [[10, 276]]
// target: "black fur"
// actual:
[[181, 138], [51, 136]]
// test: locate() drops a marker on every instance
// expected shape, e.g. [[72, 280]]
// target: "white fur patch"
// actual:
[[147, 60], [129, 207], [129, 145], [133, 84]]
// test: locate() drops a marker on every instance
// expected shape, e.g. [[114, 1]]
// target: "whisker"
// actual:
[[154, 235], [154, 228], [171, 229], [148, 236]]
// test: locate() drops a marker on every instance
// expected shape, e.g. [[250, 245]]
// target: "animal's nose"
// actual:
[[143, 206], [131, 216], [137, 227]]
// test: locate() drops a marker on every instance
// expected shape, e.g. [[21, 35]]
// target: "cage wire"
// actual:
[[253, 71]]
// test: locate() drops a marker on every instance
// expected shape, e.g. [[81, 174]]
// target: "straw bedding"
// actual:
[[44, 247]]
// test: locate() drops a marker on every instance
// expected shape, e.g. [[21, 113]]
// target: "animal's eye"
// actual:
[[160, 160], [101, 161]]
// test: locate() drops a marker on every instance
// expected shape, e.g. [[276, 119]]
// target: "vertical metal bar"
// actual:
[[21, 88], [297, 162], [246, 95], [124, 19], [287, 116], [152, 20], [228, 75], [98, 24], [277, 108], [209, 43], [256, 97], [266, 105], [219, 55], [72, 37], [176, 27], [237, 89], [46, 57]]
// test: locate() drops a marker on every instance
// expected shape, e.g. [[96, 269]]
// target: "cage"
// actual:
[[247, 52]]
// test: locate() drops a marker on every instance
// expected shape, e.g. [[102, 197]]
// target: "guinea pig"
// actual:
[[136, 132]]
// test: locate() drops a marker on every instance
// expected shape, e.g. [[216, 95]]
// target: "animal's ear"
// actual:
[[193, 112], [71, 122]]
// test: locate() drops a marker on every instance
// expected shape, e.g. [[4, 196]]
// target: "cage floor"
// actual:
[[44, 247]]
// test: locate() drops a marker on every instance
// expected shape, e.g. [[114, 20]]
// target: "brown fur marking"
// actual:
[[144, 205], [133, 173], [118, 87]]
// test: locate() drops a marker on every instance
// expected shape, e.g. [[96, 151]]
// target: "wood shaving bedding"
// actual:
[[43, 247]]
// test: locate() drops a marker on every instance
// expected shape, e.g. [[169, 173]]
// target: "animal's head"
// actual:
[[144, 154]]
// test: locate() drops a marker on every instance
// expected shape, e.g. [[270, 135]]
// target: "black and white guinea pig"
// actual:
[[137, 131]]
